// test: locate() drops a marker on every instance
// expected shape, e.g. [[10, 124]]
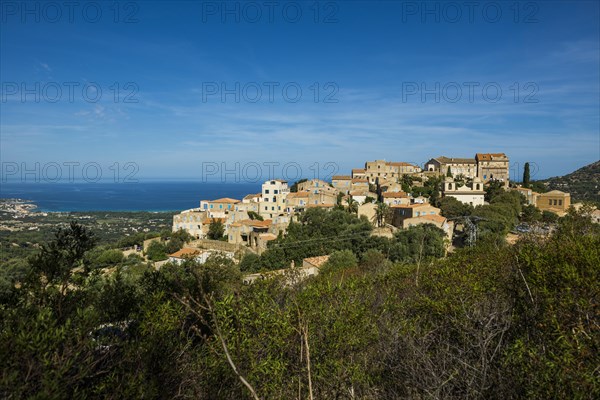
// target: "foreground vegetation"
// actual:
[[22, 236], [492, 321]]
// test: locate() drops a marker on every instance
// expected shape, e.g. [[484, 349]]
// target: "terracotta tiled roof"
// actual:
[[226, 200], [341, 178], [359, 180], [267, 236], [416, 205], [316, 261], [253, 196], [394, 194], [186, 252], [358, 170], [489, 156], [399, 164], [254, 222], [449, 160]]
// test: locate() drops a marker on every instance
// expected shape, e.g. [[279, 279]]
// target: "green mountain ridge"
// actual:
[[583, 184]]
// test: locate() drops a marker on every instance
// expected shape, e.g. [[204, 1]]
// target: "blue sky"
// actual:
[[377, 67]]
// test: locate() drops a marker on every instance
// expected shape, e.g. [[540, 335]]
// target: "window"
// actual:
[[560, 202], [266, 191], [275, 191], [272, 208], [274, 199], [220, 205], [272, 182], [211, 206], [266, 208]]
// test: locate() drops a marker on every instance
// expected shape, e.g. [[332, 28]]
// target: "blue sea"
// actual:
[[142, 196]]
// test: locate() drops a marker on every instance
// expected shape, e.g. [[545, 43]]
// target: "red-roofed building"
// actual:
[[493, 166]]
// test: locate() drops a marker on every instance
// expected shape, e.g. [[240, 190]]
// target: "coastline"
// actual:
[[118, 197]]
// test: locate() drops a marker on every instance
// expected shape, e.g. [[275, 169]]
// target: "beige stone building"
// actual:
[[323, 206], [458, 166], [403, 212], [493, 166], [394, 187], [240, 232], [486, 166], [299, 201], [343, 183], [296, 202], [361, 196], [252, 198], [386, 171], [529, 194], [218, 208], [190, 221], [473, 195], [555, 201], [246, 207], [359, 173], [396, 198], [316, 184], [359, 184]]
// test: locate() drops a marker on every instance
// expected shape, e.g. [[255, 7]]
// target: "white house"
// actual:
[[473, 195]]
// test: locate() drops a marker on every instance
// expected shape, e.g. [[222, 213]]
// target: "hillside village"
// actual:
[[391, 195]]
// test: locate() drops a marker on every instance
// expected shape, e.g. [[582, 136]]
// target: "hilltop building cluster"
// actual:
[[261, 217]]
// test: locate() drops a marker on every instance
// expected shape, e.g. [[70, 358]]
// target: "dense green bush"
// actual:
[[340, 260], [489, 322], [156, 251]]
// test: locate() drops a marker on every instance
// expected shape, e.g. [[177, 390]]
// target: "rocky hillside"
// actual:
[[583, 184]]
